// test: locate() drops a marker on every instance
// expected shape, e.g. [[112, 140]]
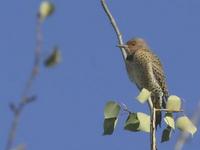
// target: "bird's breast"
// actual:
[[135, 73]]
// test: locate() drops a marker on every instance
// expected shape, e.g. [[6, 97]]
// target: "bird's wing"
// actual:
[[159, 75], [149, 80], [145, 66], [152, 70]]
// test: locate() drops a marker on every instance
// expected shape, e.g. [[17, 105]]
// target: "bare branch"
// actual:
[[115, 27], [25, 99]]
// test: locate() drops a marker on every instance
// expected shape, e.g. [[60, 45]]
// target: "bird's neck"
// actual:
[[131, 53]]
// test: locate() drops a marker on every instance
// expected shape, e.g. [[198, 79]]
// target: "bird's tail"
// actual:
[[158, 104]]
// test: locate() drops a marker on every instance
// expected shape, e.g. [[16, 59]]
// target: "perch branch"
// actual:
[[152, 125], [115, 27], [25, 99]]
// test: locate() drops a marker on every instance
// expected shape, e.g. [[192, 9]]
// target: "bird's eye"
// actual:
[[133, 43]]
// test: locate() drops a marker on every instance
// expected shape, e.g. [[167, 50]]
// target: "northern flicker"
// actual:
[[145, 70]]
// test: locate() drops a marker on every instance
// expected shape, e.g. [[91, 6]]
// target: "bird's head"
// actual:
[[133, 45]]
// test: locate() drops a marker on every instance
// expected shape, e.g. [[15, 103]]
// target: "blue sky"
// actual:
[[68, 113]]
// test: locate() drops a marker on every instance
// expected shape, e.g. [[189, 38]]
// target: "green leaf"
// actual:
[[53, 59], [111, 110], [185, 124], [144, 120], [46, 9], [138, 122], [132, 123], [109, 125], [169, 120], [143, 95], [173, 103], [166, 135]]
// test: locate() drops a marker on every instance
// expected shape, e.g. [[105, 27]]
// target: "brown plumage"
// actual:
[[145, 70]]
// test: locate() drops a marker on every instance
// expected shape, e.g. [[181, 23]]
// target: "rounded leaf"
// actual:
[[111, 110], [166, 135], [173, 103], [144, 120], [143, 95], [109, 125], [185, 124], [132, 122], [53, 59], [169, 120]]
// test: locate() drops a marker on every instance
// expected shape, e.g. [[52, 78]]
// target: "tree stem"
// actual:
[[25, 98], [152, 125]]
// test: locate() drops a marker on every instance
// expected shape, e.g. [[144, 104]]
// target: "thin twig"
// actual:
[[115, 27], [25, 99], [184, 136], [125, 108], [167, 110]]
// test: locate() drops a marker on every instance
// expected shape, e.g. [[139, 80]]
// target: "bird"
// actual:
[[144, 68]]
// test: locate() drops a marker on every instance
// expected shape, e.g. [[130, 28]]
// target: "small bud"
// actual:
[[46, 9]]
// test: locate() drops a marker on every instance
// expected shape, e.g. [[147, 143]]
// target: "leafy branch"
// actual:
[[140, 121]]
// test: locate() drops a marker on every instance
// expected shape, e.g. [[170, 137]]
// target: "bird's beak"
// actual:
[[123, 46]]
